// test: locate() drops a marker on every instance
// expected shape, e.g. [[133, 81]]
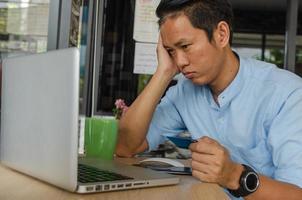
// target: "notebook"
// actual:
[[39, 128]]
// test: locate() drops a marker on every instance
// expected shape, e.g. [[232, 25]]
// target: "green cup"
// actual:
[[100, 137]]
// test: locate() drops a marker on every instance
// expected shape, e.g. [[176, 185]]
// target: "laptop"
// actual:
[[39, 128]]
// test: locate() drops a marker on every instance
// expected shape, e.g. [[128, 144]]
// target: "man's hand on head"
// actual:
[[211, 163], [165, 61]]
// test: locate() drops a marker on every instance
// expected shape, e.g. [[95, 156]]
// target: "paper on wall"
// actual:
[[145, 21], [145, 59]]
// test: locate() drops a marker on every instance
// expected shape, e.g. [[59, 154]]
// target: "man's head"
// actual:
[[203, 14], [196, 35]]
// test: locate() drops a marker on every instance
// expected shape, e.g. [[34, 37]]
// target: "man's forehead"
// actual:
[[172, 15], [172, 36]]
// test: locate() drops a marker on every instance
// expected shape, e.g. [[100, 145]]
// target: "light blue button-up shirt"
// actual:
[[259, 119]]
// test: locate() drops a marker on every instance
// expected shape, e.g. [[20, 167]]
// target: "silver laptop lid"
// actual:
[[40, 97]]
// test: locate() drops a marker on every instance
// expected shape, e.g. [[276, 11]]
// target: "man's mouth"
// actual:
[[188, 75]]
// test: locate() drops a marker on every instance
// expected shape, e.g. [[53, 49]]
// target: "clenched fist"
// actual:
[[211, 163]]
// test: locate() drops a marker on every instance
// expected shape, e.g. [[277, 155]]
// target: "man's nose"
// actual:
[[181, 60]]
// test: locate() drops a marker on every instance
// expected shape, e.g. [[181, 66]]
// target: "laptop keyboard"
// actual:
[[88, 174]]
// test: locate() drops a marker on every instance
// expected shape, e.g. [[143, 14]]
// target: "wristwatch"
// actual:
[[248, 182]]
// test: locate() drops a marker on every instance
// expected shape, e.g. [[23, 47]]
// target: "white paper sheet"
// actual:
[[145, 60], [145, 21]]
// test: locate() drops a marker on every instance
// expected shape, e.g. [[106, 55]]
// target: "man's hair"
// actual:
[[203, 14]]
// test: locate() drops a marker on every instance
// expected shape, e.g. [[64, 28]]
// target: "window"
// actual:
[[116, 78], [248, 45], [299, 44], [23, 27]]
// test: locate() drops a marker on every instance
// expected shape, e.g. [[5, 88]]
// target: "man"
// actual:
[[246, 114]]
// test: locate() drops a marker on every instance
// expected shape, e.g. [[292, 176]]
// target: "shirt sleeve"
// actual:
[[166, 120], [285, 140]]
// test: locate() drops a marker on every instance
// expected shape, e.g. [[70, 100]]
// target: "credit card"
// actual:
[[181, 142]]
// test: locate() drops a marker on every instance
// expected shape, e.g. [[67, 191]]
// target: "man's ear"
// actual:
[[222, 34]]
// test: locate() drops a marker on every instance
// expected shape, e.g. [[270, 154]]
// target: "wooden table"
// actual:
[[16, 186]]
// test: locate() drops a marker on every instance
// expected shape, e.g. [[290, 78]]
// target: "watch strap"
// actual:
[[242, 191]]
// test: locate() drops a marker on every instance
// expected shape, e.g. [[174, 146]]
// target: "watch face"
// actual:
[[251, 182]]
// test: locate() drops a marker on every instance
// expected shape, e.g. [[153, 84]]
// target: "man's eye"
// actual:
[[171, 52], [185, 46]]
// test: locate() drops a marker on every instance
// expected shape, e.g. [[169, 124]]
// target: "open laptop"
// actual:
[[39, 128]]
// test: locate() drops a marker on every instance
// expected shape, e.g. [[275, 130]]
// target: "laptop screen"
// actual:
[[39, 119]]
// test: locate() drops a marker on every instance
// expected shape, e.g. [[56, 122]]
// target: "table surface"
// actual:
[[17, 186]]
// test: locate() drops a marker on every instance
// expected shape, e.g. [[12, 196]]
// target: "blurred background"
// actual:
[[269, 30]]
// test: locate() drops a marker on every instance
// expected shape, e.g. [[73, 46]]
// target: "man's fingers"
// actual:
[[205, 145], [202, 167], [159, 44], [203, 158], [212, 167]]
